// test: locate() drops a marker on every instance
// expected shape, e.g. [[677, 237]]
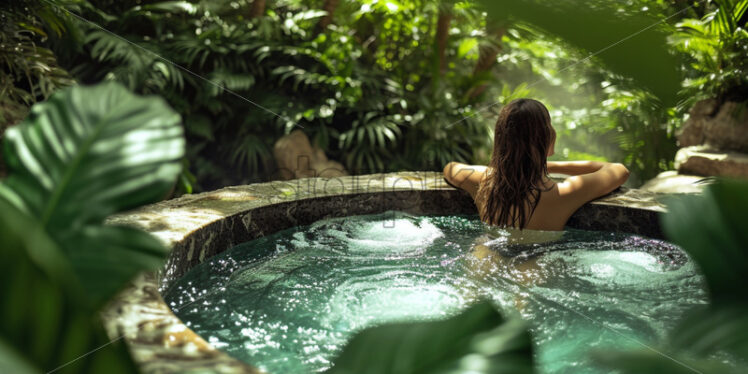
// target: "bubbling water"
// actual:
[[288, 302]]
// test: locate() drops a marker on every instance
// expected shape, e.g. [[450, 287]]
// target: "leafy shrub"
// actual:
[[30, 71], [478, 339], [375, 106], [711, 229], [386, 86], [86, 153], [717, 45]]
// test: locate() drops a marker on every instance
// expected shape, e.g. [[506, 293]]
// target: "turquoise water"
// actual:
[[288, 302]]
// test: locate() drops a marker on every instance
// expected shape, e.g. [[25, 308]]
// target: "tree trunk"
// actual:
[[487, 54], [442, 33], [258, 9], [329, 7]]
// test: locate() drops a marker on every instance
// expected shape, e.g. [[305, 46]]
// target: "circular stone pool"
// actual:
[[200, 228], [289, 301]]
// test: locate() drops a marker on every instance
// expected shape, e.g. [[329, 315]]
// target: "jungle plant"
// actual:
[[86, 153], [615, 101], [30, 71], [363, 89], [643, 59], [385, 85], [711, 229], [717, 46], [477, 340]]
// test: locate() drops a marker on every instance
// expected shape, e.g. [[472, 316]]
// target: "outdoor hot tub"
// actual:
[[202, 227]]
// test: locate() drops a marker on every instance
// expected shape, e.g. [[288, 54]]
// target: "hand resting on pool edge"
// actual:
[[587, 181], [514, 190]]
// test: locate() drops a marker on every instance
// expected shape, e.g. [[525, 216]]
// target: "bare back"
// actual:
[[558, 201]]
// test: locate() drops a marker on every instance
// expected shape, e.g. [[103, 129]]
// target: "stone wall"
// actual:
[[714, 140], [296, 158], [714, 143]]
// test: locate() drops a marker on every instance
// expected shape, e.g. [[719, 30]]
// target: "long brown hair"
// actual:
[[511, 189]]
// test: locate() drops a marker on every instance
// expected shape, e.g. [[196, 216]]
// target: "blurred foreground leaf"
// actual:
[[478, 340], [44, 321], [86, 153], [713, 330], [713, 229], [650, 362], [89, 152], [629, 44]]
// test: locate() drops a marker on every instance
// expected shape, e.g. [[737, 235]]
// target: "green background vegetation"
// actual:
[[387, 85]]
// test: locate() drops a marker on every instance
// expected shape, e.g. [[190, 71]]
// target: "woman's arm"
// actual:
[[465, 177], [579, 189], [574, 167]]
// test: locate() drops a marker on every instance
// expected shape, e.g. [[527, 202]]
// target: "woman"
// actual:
[[515, 195], [515, 191]]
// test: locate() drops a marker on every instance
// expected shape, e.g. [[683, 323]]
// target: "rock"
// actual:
[[692, 131], [671, 182], [724, 127], [296, 158], [702, 160]]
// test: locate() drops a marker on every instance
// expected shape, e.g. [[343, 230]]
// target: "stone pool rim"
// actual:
[[197, 227]]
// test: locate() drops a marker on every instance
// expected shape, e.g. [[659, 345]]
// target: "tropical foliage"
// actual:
[[385, 85], [716, 46], [241, 82], [477, 340], [86, 153], [30, 71], [711, 335]]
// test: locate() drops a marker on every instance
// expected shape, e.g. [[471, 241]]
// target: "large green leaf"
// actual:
[[105, 257], [709, 331], [477, 341], [87, 153], [43, 322], [628, 44], [713, 229], [647, 361], [12, 362]]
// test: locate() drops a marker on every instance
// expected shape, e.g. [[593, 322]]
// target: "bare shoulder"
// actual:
[[464, 176], [577, 190]]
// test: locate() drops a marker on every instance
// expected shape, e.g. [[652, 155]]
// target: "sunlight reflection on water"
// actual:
[[293, 298]]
